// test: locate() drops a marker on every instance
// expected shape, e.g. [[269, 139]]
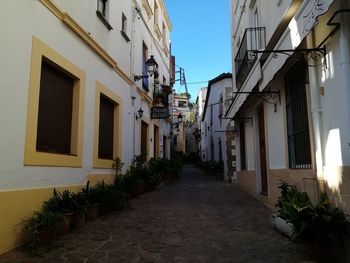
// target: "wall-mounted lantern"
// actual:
[[152, 66]]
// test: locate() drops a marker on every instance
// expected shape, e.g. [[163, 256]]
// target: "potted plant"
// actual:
[[93, 196], [62, 203], [158, 99], [79, 209], [41, 228]]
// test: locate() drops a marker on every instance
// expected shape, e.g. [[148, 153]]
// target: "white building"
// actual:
[[200, 101], [213, 146], [70, 101], [291, 80]]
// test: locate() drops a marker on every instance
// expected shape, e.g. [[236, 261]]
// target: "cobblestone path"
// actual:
[[194, 219]]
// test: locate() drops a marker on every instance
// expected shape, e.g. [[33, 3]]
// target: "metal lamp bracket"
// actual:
[[313, 56]]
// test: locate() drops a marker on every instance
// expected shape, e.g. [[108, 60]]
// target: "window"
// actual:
[[55, 118], [297, 118], [145, 82], [107, 137], [242, 145], [54, 129], [182, 104], [103, 12], [106, 128], [124, 27]]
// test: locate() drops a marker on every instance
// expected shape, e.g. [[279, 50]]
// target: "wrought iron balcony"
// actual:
[[253, 39]]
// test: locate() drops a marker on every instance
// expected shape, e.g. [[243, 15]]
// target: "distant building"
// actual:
[[214, 127]]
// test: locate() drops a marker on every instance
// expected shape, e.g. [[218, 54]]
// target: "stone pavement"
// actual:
[[194, 219]]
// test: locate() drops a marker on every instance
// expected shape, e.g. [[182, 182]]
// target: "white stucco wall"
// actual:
[[34, 19]]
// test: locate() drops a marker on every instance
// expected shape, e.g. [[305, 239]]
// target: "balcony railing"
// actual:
[[253, 39]]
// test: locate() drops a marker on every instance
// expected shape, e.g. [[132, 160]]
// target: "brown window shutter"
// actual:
[[106, 129], [55, 110]]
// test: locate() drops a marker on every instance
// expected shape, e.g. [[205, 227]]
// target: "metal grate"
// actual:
[[253, 39], [297, 118]]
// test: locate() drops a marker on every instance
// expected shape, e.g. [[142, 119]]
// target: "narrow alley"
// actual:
[[194, 219]]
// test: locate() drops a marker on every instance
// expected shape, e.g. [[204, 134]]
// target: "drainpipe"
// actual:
[[345, 66], [316, 111]]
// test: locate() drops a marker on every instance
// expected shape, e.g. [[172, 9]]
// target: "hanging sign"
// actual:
[[160, 113]]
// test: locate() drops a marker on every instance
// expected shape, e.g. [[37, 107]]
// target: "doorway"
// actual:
[[262, 150], [144, 140]]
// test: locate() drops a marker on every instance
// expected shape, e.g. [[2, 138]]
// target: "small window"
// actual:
[[103, 12], [124, 27], [106, 129], [107, 138], [54, 128], [182, 104], [55, 118]]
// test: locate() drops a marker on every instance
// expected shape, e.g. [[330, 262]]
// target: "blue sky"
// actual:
[[200, 40]]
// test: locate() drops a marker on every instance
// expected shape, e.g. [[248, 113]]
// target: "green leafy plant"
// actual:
[[80, 203], [41, 228], [60, 202], [92, 194], [323, 226]]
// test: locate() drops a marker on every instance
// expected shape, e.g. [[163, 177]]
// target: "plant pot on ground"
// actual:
[[93, 197], [42, 228], [79, 209]]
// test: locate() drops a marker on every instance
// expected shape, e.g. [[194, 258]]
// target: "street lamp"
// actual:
[[140, 114], [152, 66]]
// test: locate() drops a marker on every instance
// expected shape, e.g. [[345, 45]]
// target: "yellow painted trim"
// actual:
[[165, 47], [125, 77], [165, 14], [31, 156], [146, 5], [146, 97], [157, 31], [101, 89], [15, 205], [99, 178], [86, 38]]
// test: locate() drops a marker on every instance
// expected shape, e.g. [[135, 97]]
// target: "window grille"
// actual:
[[297, 118]]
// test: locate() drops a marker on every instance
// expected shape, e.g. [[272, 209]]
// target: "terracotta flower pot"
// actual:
[[92, 211], [79, 219], [46, 236], [65, 226]]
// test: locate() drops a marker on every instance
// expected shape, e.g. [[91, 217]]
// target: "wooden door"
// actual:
[[144, 139], [263, 165]]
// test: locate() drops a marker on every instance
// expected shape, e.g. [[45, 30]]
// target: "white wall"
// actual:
[[34, 19]]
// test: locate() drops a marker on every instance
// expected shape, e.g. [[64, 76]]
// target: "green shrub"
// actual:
[[41, 228], [321, 223]]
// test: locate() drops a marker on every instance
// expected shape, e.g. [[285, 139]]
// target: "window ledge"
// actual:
[[103, 20], [125, 36]]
